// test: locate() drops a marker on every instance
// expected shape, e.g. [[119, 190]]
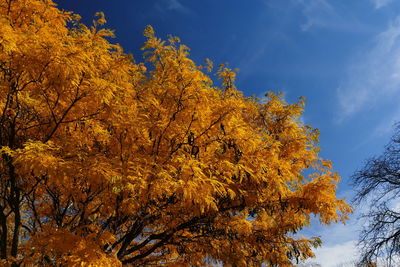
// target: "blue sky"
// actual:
[[343, 56]]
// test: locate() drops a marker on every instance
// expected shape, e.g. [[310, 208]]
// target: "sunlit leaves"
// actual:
[[107, 162]]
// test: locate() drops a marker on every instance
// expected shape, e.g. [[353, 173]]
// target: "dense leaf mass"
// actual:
[[106, 162]]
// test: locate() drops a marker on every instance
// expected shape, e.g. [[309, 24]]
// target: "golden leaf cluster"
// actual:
[[107, 162]]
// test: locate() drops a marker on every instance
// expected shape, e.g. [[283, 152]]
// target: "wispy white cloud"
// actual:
[[338, 255], [322, 14], [172, 5], [318, 13], [381, 3], [373, 77], [339, 247], [175, 5], [386, 126]]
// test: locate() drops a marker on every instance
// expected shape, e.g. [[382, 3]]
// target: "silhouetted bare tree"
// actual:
[[378, 185]]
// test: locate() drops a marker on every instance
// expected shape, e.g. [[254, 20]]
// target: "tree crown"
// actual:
[[106, 162]]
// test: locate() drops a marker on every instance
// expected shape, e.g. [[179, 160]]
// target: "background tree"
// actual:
[[378, 185], [104, 162]]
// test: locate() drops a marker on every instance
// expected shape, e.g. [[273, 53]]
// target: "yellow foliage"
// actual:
[[106, 162]]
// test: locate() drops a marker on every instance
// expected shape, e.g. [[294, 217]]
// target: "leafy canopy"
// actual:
[[104, 162]]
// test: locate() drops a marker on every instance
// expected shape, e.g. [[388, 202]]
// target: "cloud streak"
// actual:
[[322, 14], [172, 5], [175, 5], [381, 3], [318, 13], [343, 254], [373, 78]]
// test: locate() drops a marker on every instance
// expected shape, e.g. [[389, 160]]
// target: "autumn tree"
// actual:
[[106, 162], [378, 186]]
